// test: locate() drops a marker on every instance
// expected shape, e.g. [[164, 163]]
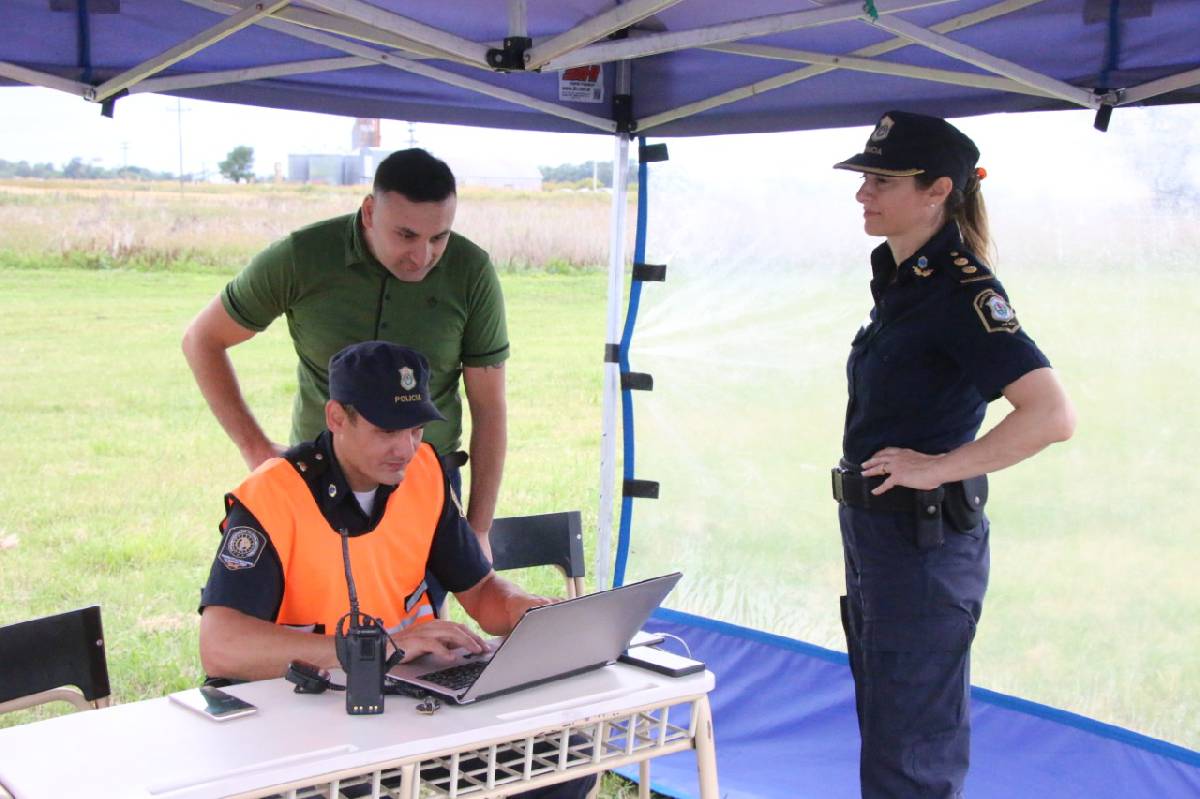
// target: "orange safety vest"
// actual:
[[388, 563]]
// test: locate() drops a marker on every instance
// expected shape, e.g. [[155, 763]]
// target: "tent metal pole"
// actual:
[[612, 368], [242, 19], [469, 51], [43, 79], [1161, 86], [400, 61], [518, 18], [593, 29], [197, 79], [728, 32], [972, 55], [971, 79], [779, 81]]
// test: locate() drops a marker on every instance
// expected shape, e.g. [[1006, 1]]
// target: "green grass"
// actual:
[[115, 470]]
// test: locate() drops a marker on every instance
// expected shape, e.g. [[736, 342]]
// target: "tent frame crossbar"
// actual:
[[1181, 80], [399, 60], [594, 29], [656, 43], [226, 27], [464, 49], [329, 23], [788, 78], [44, 79], [877, 67], [972, 55], [197, 80]]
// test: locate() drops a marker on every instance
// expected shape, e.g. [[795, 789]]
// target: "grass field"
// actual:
[[115, 469]]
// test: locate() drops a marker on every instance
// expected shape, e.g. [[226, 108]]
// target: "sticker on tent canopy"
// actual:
[[581, 84]]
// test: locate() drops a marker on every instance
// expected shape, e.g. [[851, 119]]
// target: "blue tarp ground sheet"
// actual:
[[785, 727]]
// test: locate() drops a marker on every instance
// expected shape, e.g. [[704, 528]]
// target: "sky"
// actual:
[[149, 130]]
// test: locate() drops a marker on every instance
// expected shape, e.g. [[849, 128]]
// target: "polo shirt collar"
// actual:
[[357, 251]]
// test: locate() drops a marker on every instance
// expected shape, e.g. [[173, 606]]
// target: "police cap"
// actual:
[[904, 144], [387, 384]]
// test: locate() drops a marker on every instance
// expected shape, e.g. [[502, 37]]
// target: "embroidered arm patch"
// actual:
[[995, 313], [242, 548]]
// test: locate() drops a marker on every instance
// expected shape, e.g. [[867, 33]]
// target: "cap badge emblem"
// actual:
[[407, 381], [882, 129]]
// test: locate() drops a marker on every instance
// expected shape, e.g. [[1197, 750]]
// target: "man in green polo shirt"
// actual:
[[392, 271]]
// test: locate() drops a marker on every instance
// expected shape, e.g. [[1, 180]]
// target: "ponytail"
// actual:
[[966, 207]]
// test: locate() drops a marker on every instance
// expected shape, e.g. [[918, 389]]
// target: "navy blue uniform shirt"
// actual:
[[941, 342], [454, 558]]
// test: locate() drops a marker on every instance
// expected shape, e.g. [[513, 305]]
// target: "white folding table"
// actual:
[[307, 746]]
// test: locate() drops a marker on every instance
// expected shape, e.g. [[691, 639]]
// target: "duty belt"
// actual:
[[854, 489]]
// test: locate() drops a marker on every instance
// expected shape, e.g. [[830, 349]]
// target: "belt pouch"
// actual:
[[965, 501], [929, 518]]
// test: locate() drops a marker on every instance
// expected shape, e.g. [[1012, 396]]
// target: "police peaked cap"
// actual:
[[387, 384], [904, 144]]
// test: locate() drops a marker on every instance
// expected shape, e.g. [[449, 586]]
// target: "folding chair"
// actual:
[[41, 658], [547, 539]]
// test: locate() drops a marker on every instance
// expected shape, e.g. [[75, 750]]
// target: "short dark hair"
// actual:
[[417, 175]]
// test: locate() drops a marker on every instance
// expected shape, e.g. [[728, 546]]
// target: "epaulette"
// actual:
[[969, 269], [308, 460]]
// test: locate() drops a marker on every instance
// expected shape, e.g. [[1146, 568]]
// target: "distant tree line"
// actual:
[[78, 169], [578, 173]]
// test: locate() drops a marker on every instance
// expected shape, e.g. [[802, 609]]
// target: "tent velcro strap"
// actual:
[[637, 381], [108, 107], [622, 111], [652, 153], [510, 57], [650, 272], [640, 489], [612, 353]]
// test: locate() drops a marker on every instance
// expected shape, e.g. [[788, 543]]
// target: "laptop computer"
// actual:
[[548, 643]]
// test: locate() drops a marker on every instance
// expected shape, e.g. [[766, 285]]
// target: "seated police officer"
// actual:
[[277, 587]]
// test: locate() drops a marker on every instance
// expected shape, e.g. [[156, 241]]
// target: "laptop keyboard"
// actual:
[[456, 677]]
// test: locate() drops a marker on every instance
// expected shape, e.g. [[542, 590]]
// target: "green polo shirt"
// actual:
[[335, 293]]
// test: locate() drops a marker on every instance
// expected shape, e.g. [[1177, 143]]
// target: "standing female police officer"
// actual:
[[941, 342]]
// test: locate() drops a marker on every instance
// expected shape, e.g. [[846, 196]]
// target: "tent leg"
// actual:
[[612, 377]]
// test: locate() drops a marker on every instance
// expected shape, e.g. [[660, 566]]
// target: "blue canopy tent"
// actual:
[[672, 68]]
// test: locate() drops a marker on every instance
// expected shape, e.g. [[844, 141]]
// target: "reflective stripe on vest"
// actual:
[[388, 562]]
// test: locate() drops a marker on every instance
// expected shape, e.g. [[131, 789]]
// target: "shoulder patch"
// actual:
[[995, 313], [242, 548]]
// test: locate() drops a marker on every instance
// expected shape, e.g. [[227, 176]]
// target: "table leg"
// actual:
[[410, 781], [706, 750]]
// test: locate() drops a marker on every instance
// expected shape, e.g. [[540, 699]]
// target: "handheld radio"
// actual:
[[361, 644]]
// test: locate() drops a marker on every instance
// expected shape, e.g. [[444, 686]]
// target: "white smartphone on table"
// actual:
[[213, 703]]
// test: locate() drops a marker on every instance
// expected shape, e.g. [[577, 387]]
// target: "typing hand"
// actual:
[[440, 639]]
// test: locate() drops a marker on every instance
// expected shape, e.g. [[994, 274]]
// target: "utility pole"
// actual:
[[179, 116]]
